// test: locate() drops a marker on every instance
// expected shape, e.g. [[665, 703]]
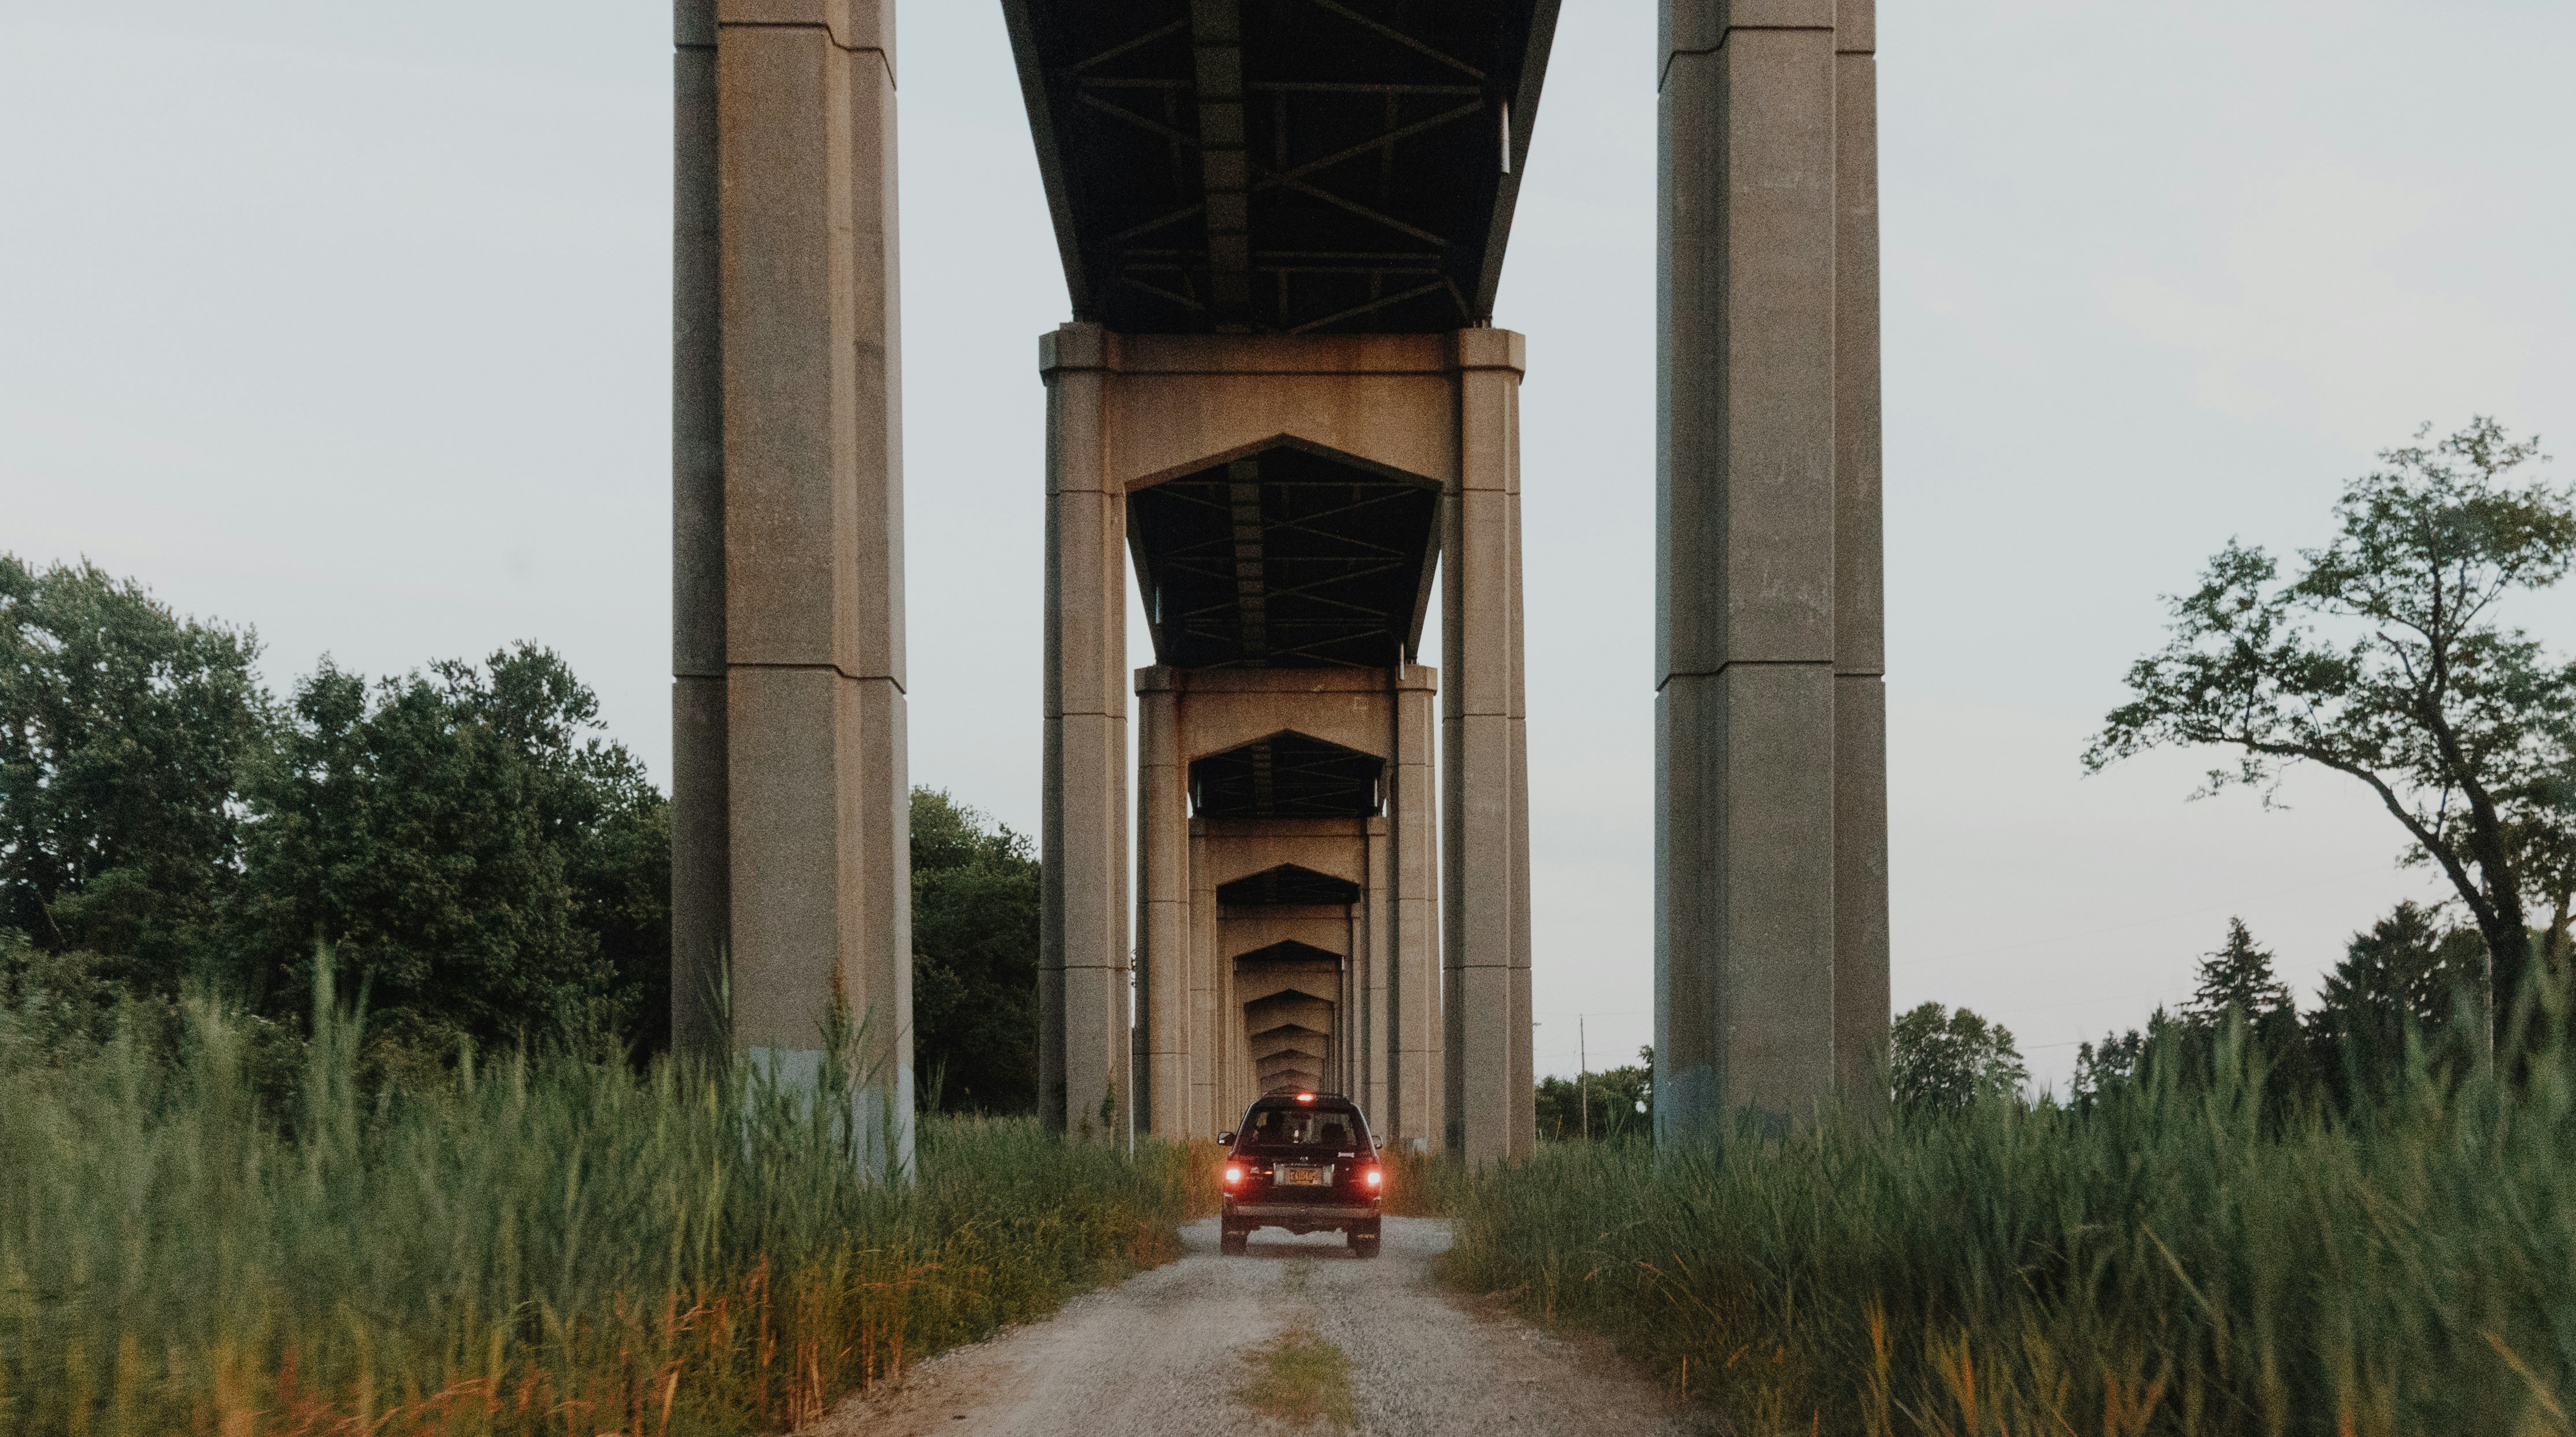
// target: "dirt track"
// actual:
[[1165, 1354]]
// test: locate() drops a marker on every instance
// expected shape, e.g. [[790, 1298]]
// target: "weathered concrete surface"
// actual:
[[1409, 1105], [1860, 600], [701, 857], [1183, 400], [1443, 1058], [1199, 1077], [1085, 1055], [1164, 1354], [1770, 824], [791, 880], [1490, 1107]]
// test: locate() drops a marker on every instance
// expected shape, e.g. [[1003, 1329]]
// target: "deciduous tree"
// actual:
[[1942, 1061], [124, 732], [482, 865], [1621, 1100], [2383, 659], [975, 959]]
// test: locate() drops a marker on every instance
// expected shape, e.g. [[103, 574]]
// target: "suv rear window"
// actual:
[[1302, 1127]]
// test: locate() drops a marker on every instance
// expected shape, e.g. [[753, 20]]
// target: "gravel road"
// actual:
[[1164, 1354]]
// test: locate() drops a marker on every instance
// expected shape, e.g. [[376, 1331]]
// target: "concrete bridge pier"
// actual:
[[1491, 1094], [1286, 501], [1283, 230], [1264, 868], [1861, 1002], [1085, 1079], [1771, 892], [791, 853]]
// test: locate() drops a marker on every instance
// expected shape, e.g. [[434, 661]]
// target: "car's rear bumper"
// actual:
[[1317, 1212]]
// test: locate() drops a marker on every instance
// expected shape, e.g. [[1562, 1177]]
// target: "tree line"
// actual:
[[488, 868], [482, 864], [2382, 656], [485, 867]]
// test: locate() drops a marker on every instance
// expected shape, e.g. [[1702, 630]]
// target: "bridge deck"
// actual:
[[1282, 166]]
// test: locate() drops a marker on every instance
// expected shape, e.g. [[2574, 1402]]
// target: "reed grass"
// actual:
[[2183, 1258], [533, 1245], [1418, 1183]]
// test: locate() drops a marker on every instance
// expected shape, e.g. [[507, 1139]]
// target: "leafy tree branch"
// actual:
[[2381, 658]]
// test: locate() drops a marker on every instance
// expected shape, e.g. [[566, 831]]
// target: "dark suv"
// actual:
[[1305, 1162]]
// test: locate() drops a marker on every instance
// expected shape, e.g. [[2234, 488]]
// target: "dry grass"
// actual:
[[1418, 1184], [538, 1246]]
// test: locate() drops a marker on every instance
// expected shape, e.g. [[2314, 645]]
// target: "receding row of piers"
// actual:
[[1282, 407], [1287, 502]]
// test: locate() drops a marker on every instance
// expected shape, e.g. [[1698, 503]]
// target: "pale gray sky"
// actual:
[[349, 321]]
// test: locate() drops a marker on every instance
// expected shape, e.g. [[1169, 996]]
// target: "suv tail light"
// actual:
[[1233, 1174], [1374, 1178]]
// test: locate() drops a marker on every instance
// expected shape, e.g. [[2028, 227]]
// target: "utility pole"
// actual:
[[1583, 1077]]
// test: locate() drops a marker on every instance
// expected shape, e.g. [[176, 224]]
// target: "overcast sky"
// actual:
[[350, 322]]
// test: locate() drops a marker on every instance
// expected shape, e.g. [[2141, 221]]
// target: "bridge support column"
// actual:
[[1216, 892], [1085, 1051], [1861, 1001], [1491, 1100], [701, 861], [1165, 957], [1205, 450], [1770, 823], [791, 853], [1214, 1038], [1416, 1075]]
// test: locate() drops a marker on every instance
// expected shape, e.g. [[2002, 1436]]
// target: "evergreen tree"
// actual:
[[2401, 978], [2119, 1059], [2236, 985], [2238, 978], [2542, 831]]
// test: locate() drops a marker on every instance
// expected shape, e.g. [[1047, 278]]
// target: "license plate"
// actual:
[[1305, 1177]]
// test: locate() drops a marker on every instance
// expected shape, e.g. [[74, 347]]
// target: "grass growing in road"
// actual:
[[535, 1246], [2174, 1262], [1302, 1379]]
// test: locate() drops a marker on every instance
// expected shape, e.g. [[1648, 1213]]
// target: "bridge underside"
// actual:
[[1282, 166], [1285, 558], [1286, 503], [1277, 878], [1282, 225]]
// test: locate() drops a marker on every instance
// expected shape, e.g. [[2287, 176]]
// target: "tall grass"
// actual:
[[1418, 1183], [2177, 1260], [535, 1246]]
